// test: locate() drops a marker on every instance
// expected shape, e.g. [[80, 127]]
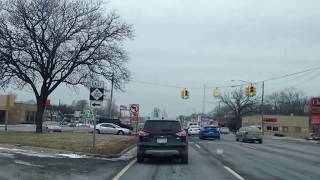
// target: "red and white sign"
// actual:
[[134, 109], [48, 102], [270, 120]]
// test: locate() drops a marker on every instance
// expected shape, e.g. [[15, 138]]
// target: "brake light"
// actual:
[[181, 134], [246, 133], [143, 133]]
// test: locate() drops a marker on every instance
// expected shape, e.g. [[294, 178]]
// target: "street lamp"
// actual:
[[262, 96]]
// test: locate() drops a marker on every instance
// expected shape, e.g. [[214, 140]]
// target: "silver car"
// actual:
[[109, 128], [249, 134]]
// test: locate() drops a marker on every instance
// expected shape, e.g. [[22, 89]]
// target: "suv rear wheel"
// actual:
[[140, 159], [184, 159]]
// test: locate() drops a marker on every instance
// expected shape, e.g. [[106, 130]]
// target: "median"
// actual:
[[76, 142]]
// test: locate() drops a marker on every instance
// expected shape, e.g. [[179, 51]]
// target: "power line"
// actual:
[[230, 86]]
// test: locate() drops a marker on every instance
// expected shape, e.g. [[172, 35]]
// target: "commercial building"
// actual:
[[291, 126], [14, 112]]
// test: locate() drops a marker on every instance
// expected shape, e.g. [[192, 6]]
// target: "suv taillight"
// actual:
[[143, 133], [181, 134]]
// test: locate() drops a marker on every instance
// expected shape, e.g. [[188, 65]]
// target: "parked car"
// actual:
[[160, 138], [53, 128], [250, 133], [109, 128], [193, 130], [209, 132], [114, 121], [224, 130]]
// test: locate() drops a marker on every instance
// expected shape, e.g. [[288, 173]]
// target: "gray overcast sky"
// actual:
[[189, 43]]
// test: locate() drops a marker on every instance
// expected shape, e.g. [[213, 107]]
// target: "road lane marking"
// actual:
[[27, 163], [251, 147], [124, 170], [234, 173], [197, 146]]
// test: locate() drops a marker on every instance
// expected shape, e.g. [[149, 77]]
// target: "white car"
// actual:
[[224, 130], [193, 130], [109, 128]]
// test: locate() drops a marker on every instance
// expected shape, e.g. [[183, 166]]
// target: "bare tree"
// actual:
[[81, 105], [239, 104], [286, 102], [44, 43]]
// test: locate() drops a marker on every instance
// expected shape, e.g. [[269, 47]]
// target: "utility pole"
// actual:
[[204, 99], [262, 96], [111, 96], [7, 112]]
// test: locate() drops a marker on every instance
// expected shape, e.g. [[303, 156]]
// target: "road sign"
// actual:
[[134, 108], [95, 104], [96, 94]]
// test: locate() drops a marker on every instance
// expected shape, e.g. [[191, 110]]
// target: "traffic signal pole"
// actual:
[[262, 98]]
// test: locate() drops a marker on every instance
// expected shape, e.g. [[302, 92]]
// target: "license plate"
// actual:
[[161, 140]]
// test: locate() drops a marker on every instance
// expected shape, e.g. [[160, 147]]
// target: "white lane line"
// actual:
[[234, 173], [124, 170], [27, 163], [197, 146], [251, 147]]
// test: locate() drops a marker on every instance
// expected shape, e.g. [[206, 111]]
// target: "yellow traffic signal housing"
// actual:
[[185, 94], [252, 91], [247, 91]]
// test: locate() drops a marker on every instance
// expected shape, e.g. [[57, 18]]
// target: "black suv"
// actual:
[[160, 138]]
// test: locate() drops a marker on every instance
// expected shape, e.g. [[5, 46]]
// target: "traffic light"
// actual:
[[253, 91], [247, 91], [185, 94]]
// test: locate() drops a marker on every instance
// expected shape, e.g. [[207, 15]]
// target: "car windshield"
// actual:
[[162, 126], [194, 127]]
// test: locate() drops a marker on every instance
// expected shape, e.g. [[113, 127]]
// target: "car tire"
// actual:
[[98, 131], [237, 139], [185, 159], [260, 141], [120, 133], [140, 159]]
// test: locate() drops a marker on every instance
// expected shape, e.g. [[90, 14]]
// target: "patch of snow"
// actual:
[[73, 156]]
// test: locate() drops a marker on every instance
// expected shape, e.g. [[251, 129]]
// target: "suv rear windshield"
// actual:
[[162, 126]]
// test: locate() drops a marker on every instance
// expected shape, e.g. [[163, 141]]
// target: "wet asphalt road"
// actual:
[[275, 159], [208, 159]]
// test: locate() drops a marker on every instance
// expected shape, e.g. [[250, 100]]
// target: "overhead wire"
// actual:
[[231, 86]]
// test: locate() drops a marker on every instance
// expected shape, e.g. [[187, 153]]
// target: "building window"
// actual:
[[269, 128], [285, 129], [275, 129], [298, 129]]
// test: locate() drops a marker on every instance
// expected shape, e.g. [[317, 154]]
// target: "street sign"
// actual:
[[96, 94], [134, 108]]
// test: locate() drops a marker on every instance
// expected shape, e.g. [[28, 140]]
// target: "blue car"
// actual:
[[209, 132]]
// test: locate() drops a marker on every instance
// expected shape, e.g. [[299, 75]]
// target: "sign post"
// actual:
[[96, 100]]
